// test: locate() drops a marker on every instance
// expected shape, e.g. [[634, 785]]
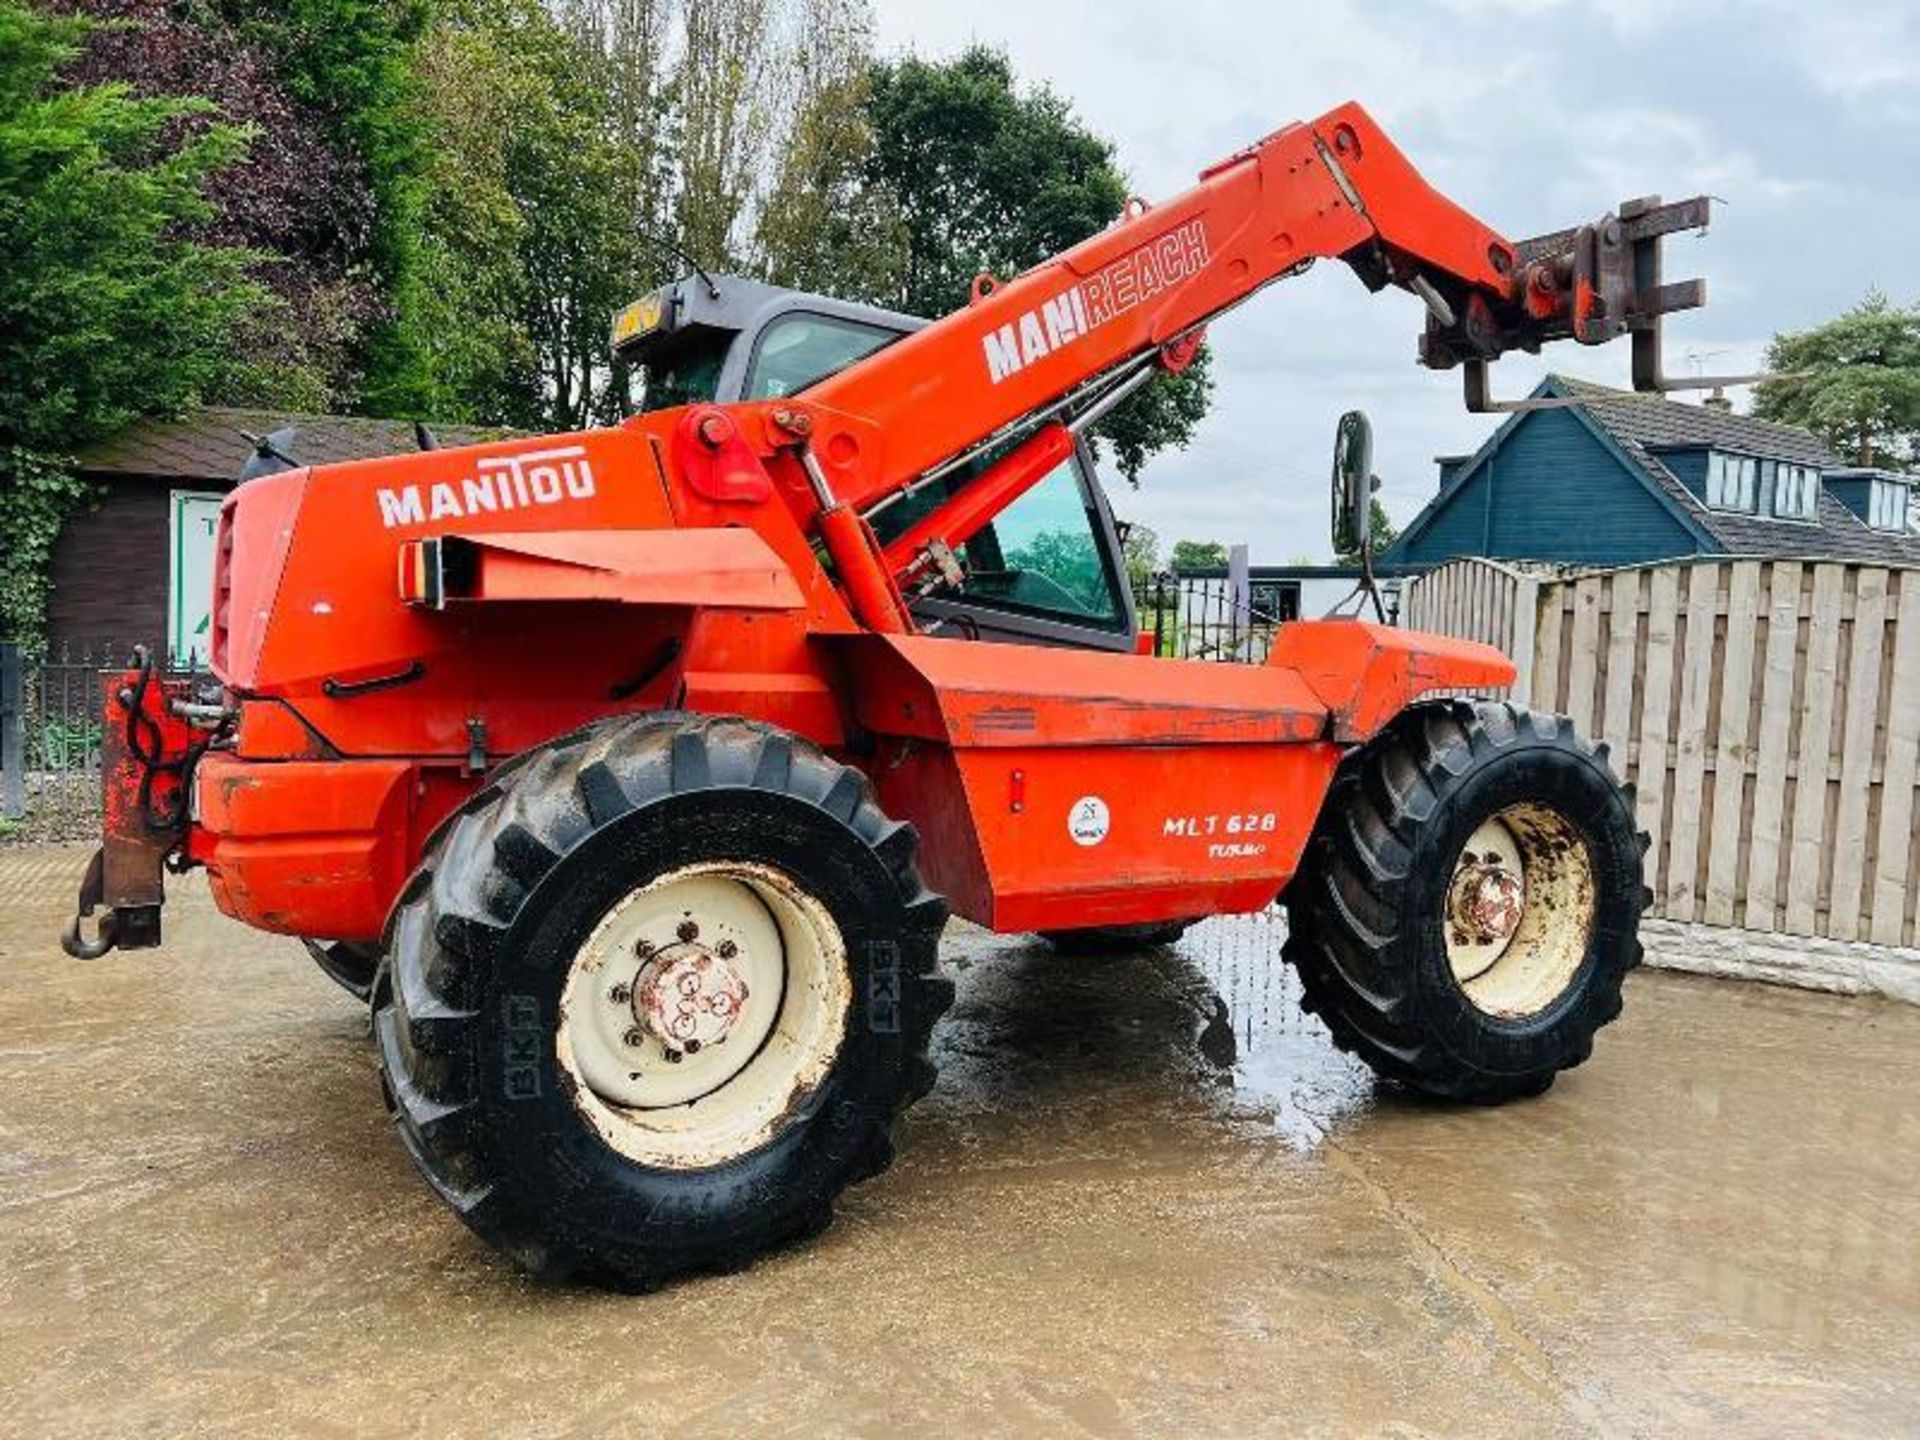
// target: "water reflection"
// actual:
[[1281, 1059]]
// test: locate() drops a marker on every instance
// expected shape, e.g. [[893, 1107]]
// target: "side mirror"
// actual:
[[1353, 485]]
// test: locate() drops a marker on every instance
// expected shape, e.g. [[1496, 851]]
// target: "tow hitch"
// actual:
[[147, 754]]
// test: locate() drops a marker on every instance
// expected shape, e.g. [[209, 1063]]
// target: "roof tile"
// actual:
[[207, 445], [1644, 425]]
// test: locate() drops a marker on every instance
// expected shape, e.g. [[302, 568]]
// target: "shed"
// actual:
[[136, 566]]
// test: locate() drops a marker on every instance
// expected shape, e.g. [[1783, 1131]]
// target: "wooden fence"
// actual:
[[1767, 710]]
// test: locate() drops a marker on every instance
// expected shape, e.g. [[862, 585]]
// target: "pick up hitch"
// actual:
[[147, 753], [130, 926]]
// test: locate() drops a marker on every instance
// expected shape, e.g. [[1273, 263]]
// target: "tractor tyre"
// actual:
[[1116, 939], [656, 997], [348, 963], [1469, 904]]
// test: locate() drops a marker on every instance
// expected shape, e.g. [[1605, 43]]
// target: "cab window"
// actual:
[[798, 349], [1040, 556], [685, 374]]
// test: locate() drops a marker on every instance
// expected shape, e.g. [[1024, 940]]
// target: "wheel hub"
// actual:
[[1488, 901], [688, 997], [700, 1010], [1519, 910]]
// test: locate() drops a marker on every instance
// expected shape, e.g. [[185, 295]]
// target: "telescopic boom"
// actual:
[[1056, 338]]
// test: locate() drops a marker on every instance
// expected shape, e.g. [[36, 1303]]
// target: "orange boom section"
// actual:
[[1335, 188]]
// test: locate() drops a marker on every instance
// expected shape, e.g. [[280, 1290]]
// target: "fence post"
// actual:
[[13, 736], [1525, 636]]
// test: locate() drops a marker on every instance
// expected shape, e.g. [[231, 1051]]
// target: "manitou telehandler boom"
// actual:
[[617, 769]]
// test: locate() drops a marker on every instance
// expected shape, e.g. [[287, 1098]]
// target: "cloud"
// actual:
[[1804, 119]]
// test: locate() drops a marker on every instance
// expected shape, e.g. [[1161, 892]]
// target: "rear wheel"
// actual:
[[654, 1002], [1470, 902]]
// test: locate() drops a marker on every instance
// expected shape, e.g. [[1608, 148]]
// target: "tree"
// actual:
[[574, 167], [108, 307], [1162, 414], [822, 226], [723, 120], [1067, 558], [531, 223], [985, 176], [1380, 525], [352, 63], [296, 198], [582, 254], [1854, 382], [1141, 550], [479, 69], [1198, 555], [626, 44]]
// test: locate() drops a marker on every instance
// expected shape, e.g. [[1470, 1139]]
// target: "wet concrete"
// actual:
[[1145, 1198]]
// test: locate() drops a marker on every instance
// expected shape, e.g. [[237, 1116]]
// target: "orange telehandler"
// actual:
[[632, 774]]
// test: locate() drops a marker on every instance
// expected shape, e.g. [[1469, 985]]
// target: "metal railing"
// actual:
[[51, 727], [1198, 617]]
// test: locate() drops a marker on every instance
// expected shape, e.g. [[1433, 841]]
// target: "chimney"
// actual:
[[1718, 401]]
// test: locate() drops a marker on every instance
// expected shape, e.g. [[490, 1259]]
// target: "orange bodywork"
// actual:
[[390, 631], [1051, 788]]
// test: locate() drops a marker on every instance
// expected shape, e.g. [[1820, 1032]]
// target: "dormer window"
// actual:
[[1796, 492], [1888, 502], [1732, 482]]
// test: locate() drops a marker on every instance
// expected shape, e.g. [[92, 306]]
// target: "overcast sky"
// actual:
[[1803, 116]]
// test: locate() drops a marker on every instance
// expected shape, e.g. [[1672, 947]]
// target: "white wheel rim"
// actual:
[[702, 1010], [1519, 911]]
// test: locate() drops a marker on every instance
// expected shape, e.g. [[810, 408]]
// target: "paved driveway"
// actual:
[[1145, 1198]]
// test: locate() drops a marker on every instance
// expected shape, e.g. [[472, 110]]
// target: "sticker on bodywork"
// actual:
[[1089, 820]]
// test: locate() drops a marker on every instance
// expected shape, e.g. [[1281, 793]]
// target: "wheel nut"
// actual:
[[727, 949], [643, 949], [636, 1037], [620, 994], [689, 931]]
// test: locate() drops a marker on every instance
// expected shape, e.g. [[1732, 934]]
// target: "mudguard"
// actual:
[[1365, 674]]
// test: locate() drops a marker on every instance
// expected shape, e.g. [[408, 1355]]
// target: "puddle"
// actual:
[[1220, 1009], [1282, 1059]]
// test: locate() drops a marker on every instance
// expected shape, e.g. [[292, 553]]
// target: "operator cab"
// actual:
[[1047, 571]]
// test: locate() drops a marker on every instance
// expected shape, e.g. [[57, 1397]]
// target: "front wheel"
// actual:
[[658, 997], [1470, 903]]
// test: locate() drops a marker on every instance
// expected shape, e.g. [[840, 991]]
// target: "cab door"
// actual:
[[1047, 571]]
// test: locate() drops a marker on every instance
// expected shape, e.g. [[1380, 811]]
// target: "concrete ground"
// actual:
[[1145, 1198]]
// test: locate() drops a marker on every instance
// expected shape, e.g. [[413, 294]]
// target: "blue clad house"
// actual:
[[1627, 479]]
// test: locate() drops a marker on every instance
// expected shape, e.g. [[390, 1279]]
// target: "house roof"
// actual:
[[1639, 428], [207, 444], [1644, 426]]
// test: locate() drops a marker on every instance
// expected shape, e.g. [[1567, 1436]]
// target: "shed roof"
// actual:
[[208, 444]]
